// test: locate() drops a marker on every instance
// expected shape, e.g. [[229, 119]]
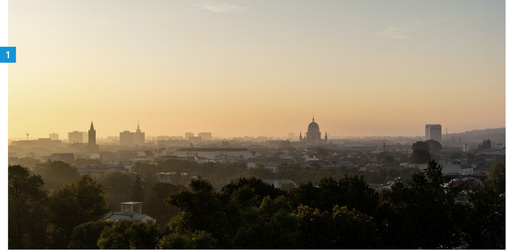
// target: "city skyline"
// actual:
[[256, 68], [290, 135]]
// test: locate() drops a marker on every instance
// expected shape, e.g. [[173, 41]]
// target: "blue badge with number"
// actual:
[[7, 54]]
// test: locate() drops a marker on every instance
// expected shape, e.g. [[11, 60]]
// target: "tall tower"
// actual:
[[139, 137], [92, 138], [433, 132]]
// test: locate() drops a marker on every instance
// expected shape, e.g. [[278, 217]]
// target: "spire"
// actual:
[[138, 128], [313, 118], [91, 127]]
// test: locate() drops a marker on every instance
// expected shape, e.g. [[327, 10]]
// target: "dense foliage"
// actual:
[[221, 173], [340, 212]]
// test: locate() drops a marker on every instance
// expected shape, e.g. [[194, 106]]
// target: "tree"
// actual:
[[137, 193], [26, 162], [249, 191], [305, 194], [117, 185], [421, 152], [385, 157], [271, 225], [352, 192], [155, 205], [343, 228], [73, 205], [196, 240], [353, 229], [127, 234], [315, 228], [113, 237], [56, 174], [27, 209], [420, 145], [421, 212], [85, 236], [420, 156], [496, 175], [434, 146], [200, 210], [483, 216]]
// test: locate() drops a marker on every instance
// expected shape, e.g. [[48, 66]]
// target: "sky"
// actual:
[[255, 67]]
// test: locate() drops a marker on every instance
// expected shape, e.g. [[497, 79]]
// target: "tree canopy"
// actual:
[[74, 204], [420, 211], [27, 213], [56, 174]]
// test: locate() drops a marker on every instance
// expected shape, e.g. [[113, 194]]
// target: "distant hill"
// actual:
[[496, 135]]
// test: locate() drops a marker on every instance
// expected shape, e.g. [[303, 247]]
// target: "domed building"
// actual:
[[313, 134]]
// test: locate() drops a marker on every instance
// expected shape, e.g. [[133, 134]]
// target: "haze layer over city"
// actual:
[[255, 68]]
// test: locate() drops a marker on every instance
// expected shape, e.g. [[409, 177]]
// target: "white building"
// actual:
[[130, 211]]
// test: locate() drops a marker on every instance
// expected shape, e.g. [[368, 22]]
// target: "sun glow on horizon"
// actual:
[[255, 67]]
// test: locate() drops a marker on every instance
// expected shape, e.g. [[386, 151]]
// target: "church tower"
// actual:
[[92, 137]]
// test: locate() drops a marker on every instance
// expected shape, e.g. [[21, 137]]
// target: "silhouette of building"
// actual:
[[206, 136], [433, 132], [139, 136], [188, 135], [53, 136], [76, 137], [313, 134], [126, 138], [92, 137], [129, 138]]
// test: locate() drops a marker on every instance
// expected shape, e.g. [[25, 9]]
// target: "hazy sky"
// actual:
[[255, 67]]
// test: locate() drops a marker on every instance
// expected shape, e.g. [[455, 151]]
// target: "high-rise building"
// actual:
[[129, 138], [139, 137], [126, 138], [76, 137], [92, 139], [433, 132]]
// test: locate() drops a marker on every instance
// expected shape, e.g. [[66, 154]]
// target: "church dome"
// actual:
[[313, 126]]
